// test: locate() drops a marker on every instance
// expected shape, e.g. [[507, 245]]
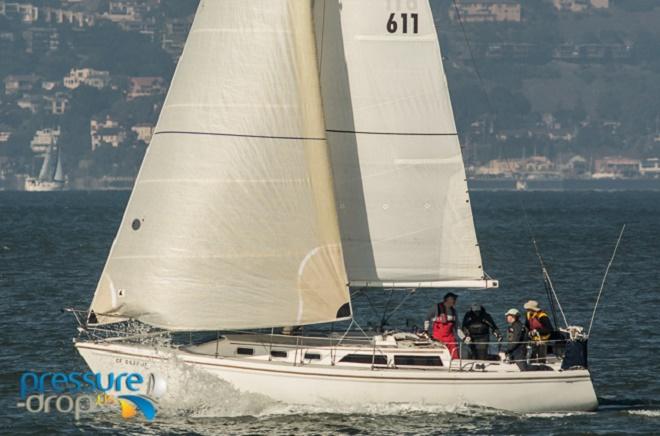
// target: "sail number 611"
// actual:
[[407, 20]]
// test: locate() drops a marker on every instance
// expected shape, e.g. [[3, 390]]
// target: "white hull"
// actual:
[[504, 388], [33, 185]]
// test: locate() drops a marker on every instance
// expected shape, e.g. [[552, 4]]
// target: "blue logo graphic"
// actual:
[[131, 404]]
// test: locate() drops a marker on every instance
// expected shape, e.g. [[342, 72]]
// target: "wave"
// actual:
[[627, 403]]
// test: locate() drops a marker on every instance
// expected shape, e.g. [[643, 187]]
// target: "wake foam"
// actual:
[[649, 413], [556, 414], [392, 409], [193, 392]]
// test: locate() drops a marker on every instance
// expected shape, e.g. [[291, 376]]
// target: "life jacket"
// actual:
[[534, 320], [443, 324]]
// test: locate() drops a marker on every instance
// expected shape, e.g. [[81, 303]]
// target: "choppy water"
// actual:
[[52, 248]]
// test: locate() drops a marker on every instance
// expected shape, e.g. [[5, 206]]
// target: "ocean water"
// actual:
[[53, 246]]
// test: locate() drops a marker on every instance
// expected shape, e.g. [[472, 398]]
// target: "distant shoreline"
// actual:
[[583, 184]]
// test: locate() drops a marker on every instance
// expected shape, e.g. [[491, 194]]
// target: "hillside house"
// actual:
[[88, 77], [483, 11]]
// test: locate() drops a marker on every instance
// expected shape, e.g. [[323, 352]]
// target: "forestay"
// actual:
[[232, 221], [403, 203]]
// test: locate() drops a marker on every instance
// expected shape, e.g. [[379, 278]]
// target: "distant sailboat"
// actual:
[[51, 177], [306, 148]]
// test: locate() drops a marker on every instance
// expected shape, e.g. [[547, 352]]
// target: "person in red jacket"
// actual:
[[442, 319]]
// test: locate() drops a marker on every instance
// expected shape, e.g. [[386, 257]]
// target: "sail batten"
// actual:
[[232, 221], [240, 135], [357, 132]]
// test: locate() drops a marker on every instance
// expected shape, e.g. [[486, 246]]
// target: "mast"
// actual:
[[232, 221], [403, 201]]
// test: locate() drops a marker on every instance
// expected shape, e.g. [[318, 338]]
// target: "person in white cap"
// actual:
[[516, 338], [540, 330]]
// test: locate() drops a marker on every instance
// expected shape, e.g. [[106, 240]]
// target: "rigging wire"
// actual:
[[551, 294], [602, 284], [386, 319]]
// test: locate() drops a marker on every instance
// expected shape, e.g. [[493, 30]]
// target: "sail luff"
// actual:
[[231, 223]]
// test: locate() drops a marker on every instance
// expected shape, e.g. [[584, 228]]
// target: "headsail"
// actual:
[[402, 193], [232, 220]]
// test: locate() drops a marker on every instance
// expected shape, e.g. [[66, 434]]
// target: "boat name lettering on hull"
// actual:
[[131, 362]]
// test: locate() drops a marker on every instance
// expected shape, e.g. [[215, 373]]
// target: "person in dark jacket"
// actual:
[[516, 338], [477, 326]]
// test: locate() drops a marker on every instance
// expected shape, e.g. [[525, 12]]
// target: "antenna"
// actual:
[[602, 285]]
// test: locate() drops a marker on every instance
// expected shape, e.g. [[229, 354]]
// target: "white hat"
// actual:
[[532, 305], [513, 312]]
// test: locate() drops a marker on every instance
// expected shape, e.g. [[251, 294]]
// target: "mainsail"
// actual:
[[401, 188], [232, 221]]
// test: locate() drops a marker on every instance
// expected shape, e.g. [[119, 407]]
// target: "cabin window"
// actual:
[[367, 359], [312, 356], [278, 353], [417, 361], [245, 351]]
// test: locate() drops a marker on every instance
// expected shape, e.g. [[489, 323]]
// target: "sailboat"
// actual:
[[51, 177], [305, 149]]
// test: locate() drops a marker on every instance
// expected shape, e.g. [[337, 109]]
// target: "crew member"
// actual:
[[442, 318], [540, 330], [516, 338], [477, 326]]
